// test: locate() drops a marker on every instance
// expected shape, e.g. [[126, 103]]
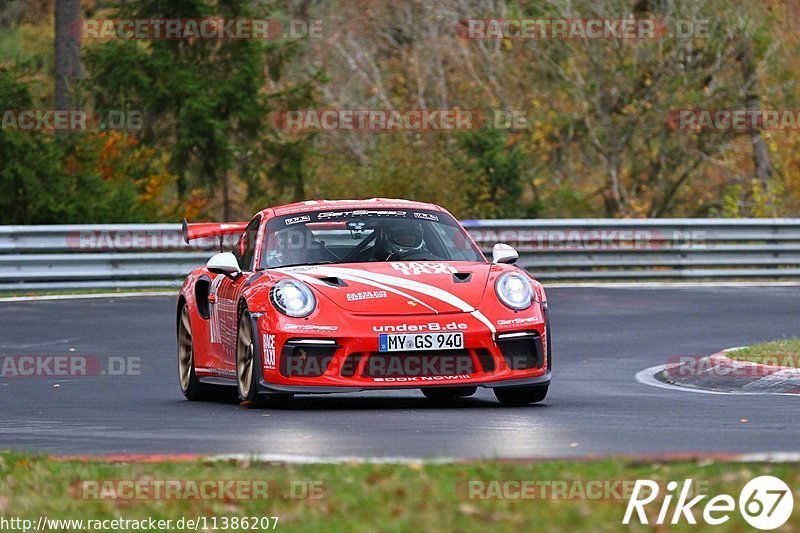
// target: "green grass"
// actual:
[[355, 497], [783, 352]]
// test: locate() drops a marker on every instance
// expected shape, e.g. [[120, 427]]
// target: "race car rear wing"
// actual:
[[202, 230]]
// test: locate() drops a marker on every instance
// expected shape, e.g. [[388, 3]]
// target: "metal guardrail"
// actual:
[[153, 255], [613, 249]]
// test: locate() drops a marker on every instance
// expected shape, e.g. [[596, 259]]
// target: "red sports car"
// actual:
[[351, 295]]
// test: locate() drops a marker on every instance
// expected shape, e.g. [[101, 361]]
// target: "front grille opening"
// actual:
[[522, 353], [485, 358], [419, 364], [307, 361]]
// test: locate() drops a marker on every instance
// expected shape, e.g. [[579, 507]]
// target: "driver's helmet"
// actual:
[[401, 237]]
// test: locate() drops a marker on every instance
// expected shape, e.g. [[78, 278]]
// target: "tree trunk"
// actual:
[[299, 187], [613, 198], [763, 168], [226, 197], [68, 56]]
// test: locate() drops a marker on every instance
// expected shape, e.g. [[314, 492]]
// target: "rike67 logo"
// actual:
[[765, 503]]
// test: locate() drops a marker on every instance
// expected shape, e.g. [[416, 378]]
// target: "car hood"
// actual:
[[398, 288]]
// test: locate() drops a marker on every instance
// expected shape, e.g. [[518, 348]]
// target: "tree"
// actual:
[[204, 99], [495, 168], [67, 52], [80, 178]]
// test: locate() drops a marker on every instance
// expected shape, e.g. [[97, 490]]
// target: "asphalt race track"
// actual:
[[602, 338]]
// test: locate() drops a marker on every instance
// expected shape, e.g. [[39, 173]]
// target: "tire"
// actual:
[[246, 359], [448, 393], [549, 345], [248, 363], [519, 396], [191, 387]]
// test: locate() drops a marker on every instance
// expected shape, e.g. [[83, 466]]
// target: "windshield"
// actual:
[[365, 235]]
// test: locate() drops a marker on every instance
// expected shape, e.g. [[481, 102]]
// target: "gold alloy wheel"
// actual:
[[185, 350], [244, 355]]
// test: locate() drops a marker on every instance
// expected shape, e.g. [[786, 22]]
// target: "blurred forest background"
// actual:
[[597, 144]]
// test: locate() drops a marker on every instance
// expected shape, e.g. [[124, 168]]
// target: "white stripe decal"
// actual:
[[424, 288], [480, 316], [364, 281]]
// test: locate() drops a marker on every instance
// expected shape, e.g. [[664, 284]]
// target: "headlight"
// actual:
[[293, 298], [514, 290]]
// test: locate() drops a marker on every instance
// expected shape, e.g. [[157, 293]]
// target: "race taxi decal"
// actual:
[[412, 268], [269, 351]]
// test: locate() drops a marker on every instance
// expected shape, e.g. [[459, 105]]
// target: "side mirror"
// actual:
[[503, 253], [224, 263]]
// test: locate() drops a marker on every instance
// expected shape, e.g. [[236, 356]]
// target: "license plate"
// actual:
[[420, 341]]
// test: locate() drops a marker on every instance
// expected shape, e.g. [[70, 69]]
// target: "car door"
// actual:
[[226, 291]]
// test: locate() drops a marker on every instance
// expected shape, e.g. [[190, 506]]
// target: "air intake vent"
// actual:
[[305, 360], [462, 277], [333, 281], [522, 351]]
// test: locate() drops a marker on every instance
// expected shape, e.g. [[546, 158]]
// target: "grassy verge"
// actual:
[[784, 352], [353, 497]]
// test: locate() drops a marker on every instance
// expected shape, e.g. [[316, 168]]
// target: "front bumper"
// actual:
[[312, 358], [268, 388]]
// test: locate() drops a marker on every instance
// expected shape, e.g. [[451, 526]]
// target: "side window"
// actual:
[[245, 249]]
